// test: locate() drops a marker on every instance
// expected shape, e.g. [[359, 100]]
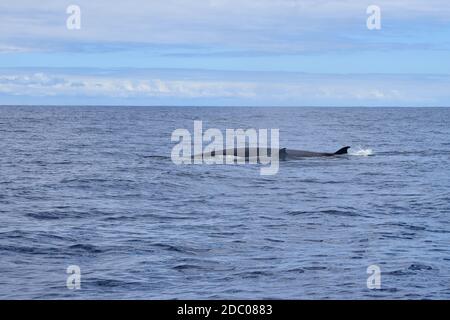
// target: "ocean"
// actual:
[[95, 187]]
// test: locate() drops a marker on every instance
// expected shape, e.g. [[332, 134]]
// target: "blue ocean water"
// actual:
[[82, 186]]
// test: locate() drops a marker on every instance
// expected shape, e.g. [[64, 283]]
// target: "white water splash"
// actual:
[[361, 152]]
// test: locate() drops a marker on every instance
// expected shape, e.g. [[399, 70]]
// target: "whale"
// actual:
[[298, 154], [284, 153]]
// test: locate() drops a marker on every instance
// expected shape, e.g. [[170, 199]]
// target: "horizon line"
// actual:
[[211, 106]]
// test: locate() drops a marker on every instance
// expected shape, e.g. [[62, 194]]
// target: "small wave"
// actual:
[[420, 267], [255, 274], [183, 267], [156, 157], [88, 248], [113, 283], [362, 152], [45, 215]]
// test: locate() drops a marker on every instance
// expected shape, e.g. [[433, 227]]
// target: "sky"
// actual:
[[225, 53]]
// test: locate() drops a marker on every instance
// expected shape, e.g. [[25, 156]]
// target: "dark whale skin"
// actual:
[[284, 154]]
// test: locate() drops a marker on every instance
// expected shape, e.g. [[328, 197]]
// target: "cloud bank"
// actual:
[[150, 87]]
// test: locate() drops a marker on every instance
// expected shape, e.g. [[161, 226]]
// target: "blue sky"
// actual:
[[226, 52]]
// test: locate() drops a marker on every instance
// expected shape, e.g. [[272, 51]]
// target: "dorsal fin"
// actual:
[[342, 150]]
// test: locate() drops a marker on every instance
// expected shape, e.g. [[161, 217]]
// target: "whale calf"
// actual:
[[284, 153]]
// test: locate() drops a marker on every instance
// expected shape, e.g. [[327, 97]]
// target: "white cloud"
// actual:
[[41, 84], [275, 89], [5, 48]]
